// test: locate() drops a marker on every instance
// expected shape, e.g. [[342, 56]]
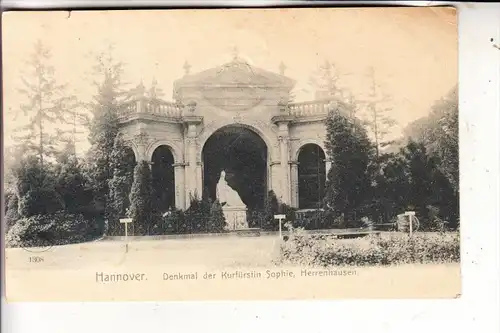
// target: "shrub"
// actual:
[[40, 201], [11, 210], [304, 249], [70, 184], [49, 229], [173, 222], [217, 220], [141, 206], [271, 207], [197, 216], [35, 187]]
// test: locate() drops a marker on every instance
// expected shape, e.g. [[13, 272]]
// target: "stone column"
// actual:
[[284, 159], [283, 121], [328, 165], [276, 179], [191, 167], [192, 170], [180, 187], [294, 176], [199, 176]]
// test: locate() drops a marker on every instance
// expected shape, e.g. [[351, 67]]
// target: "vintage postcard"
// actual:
[[245, 154]]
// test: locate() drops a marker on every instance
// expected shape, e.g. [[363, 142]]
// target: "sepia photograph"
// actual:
[[231, 154]]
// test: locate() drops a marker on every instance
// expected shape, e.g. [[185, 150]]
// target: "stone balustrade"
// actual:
[[310, 108], [156, 108], [174, 110]]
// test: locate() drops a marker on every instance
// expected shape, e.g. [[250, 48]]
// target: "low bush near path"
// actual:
[[51, 229], [384, 249]]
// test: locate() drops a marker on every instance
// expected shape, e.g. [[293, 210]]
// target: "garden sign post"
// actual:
[[280, 218], [126, 222], [410, 218]]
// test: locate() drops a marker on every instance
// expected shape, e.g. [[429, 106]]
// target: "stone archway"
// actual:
[[311, 176], [243, 154], [162, 169]]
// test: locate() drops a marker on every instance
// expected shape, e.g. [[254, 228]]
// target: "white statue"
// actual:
[[226, 194]]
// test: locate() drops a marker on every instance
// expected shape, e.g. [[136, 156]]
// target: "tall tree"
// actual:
[[70, 181], [376, 117], [46, 104], [141, 205], [104, 126], [123, 163], [444, 136], [78, 120], [350, 150], [326, 80], [439, 133]]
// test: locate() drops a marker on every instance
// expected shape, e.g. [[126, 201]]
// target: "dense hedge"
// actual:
[[50, 229], [202, 216], [387, 249]]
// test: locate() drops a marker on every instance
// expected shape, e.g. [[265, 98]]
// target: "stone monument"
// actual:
[[235, 211]]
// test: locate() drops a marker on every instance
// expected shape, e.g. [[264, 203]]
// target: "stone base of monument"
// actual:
[[248, 232], [236, 217]]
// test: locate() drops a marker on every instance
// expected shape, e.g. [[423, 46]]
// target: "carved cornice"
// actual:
[[282, 119], [149, 117], [196, 120]]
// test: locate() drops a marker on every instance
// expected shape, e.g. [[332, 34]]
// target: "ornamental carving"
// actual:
[[234, 99], [235, 87], [142, 139]]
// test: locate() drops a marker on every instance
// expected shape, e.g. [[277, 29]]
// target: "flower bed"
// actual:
[[386, 249]]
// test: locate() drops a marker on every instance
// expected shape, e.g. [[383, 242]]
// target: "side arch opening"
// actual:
[[311, 176]]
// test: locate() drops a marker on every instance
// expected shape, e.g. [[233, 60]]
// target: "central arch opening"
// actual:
[[242, 154]]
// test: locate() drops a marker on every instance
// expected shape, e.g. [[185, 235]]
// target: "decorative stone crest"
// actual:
[[234, 98], [143, 139]]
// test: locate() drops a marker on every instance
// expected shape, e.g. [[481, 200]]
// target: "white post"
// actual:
[[411, 224], [126, 222], [410, 219], [280, 218]]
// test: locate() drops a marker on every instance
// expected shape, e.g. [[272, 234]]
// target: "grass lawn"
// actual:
[[68, 273]]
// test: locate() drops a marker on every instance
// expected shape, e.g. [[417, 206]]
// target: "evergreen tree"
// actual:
[[104, 126], [271, 207], [11, 210], [349, 148], [428, 186], [446, 137], [36, 188], [377, 118], [46, 105], [439, 133], [70, 181], [326, 81], [122, 163], [140, 199], [217, 218]]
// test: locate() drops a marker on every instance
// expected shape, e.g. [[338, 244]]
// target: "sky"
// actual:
[[413, 51]]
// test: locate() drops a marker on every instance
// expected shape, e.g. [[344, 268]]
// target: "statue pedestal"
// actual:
[[236, 217]]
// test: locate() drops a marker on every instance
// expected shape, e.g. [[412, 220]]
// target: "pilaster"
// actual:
[[283, 121], [180, 186], [192, 169], [294, 176]]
